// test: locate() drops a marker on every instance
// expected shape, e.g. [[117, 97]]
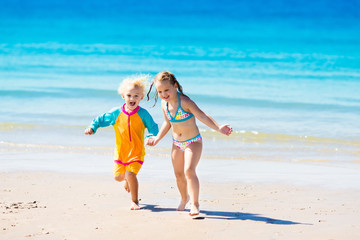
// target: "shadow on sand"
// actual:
[[222, 215]]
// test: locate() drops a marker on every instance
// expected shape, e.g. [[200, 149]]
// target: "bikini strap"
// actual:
[[177, 110]]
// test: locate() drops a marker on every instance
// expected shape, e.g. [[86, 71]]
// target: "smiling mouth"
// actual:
[[132, 104]]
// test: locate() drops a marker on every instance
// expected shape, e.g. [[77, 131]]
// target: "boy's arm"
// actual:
[[149, 123], [104, 120]]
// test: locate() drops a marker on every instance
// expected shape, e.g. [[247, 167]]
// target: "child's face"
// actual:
[[166, 90], [132, 96]]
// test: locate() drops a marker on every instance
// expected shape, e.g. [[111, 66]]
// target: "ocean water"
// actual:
[[284, 74]]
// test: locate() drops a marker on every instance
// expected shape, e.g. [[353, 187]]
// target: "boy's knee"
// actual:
[[119, 178], [130, 175]]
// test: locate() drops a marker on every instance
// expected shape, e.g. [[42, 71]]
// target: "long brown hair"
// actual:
[[165, 76]]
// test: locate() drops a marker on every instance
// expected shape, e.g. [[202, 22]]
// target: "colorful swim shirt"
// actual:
[[129, 132]]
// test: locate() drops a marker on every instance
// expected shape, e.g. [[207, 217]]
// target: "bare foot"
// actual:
[[182, 204], [134, 206], [194, 210], [126, 186]]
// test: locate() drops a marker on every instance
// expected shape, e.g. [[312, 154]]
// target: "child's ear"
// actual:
[[122, 95]]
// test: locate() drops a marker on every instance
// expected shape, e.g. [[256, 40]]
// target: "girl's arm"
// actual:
[[206, 119], [165, 127]]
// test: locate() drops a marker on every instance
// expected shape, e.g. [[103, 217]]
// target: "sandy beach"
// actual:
[[51, 192], [46, 205]]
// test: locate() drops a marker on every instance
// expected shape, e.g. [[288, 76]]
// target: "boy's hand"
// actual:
[[225, 129], [89, 131], [151, 141]]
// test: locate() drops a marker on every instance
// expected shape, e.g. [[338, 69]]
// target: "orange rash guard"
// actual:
[[129, 132]]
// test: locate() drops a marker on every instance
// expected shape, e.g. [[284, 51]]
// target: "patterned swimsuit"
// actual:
[[180, 116]]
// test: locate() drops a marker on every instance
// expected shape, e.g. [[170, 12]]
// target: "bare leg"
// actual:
[[192, 158], [134, 187], [126, 186], [177, 157], [120, 177]]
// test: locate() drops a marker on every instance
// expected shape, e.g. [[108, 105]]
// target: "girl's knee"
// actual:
[[179, 175], [190, 173]]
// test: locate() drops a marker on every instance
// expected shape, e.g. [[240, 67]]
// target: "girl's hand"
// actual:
[[225, 129], [151, 141], [89, 131]]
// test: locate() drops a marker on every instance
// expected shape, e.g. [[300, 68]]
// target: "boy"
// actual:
[[129, 123]]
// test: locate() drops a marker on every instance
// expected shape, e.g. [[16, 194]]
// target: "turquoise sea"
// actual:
[[284, 74]]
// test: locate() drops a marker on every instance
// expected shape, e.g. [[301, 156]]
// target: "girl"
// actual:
[[180, 113]]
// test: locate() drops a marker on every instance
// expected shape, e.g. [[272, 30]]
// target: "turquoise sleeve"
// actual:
[[149, 122], [105, 120]]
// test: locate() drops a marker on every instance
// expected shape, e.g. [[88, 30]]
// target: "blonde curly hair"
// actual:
[[140, 81]]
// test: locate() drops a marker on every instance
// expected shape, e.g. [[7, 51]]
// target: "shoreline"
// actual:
[[43, 205], [223, 159], [157, 167]]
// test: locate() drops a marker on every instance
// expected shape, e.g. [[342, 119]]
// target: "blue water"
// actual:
[[287, 70]]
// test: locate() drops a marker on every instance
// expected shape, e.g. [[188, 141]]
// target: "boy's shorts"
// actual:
[[121, 168]]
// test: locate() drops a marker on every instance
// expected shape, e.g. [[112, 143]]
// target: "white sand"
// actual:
[[67, 206]]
